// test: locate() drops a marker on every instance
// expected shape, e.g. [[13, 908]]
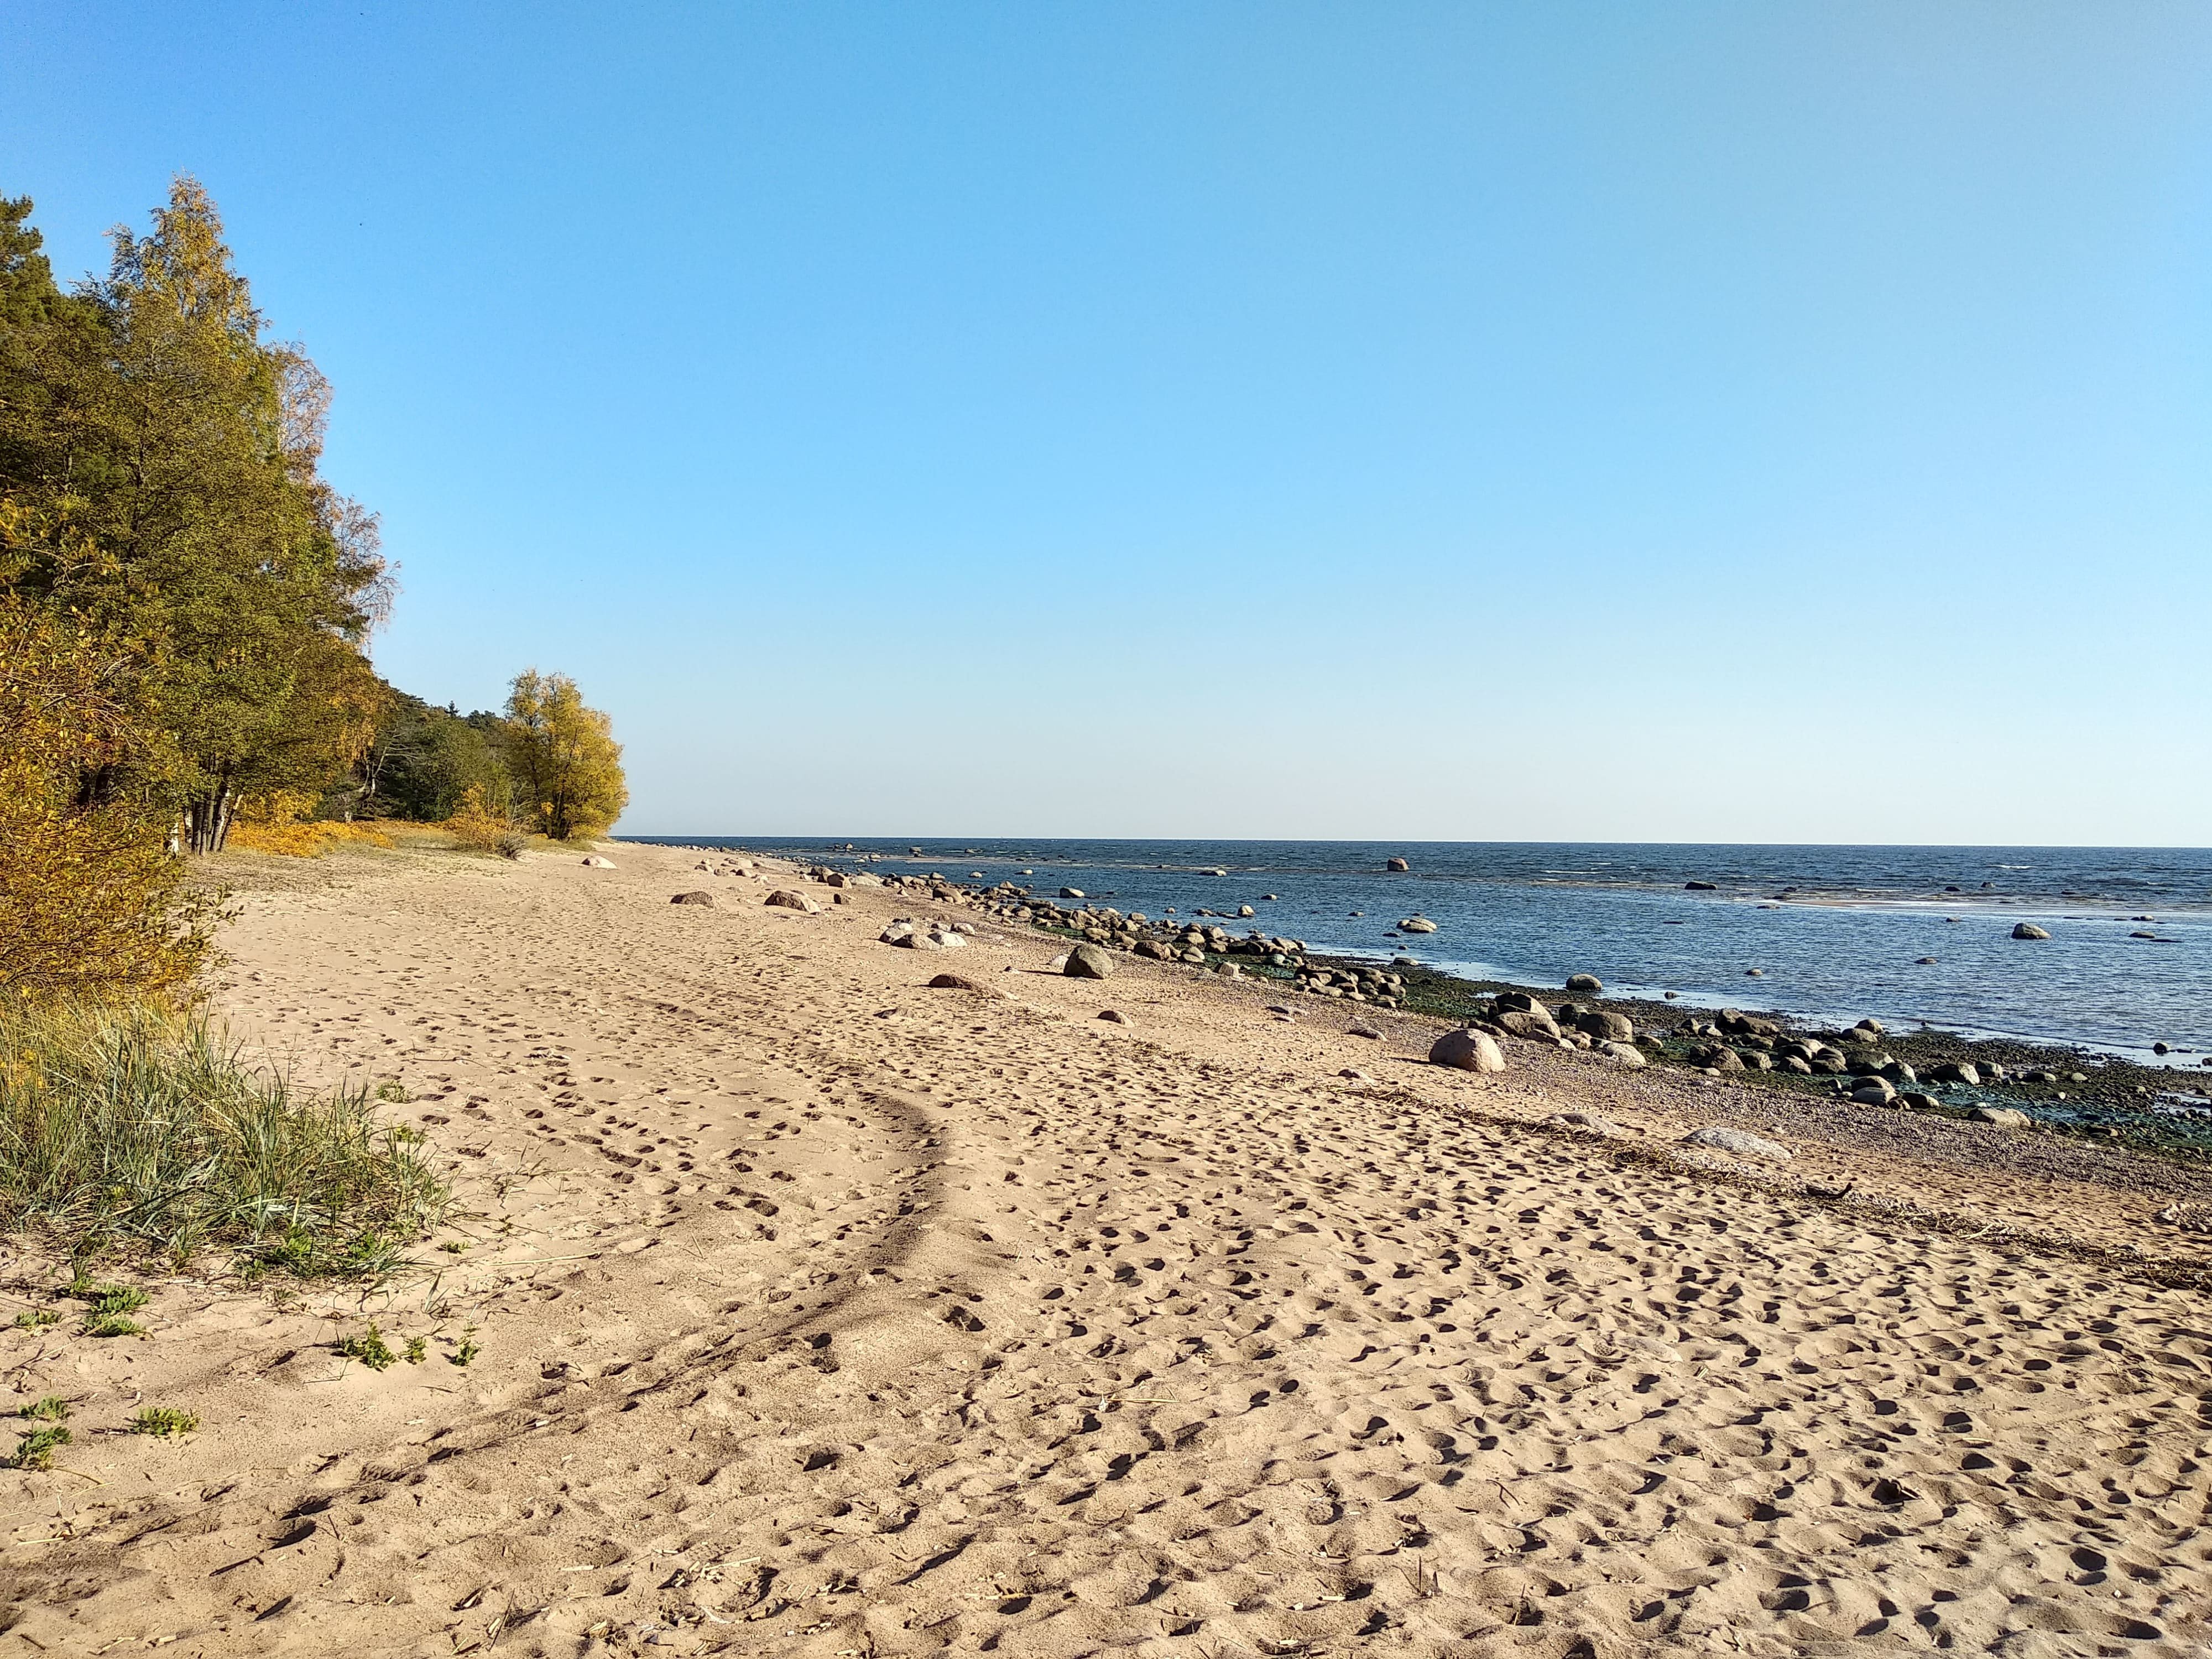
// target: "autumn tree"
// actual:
[[183, 446], [566, 764]]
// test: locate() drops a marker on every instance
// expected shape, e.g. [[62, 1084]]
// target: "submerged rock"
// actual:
[[2028, 930]]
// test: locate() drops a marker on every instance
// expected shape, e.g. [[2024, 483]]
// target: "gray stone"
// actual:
[[706, 899], [1522, 1024], [1071, 892], [1593, 1123], [1599, 1023], [1089, 961], [782, 899], [1626, 1052], [1742, 1142], [2028, 930], [1366, 1031], [1114, 1014], [1416, 925], [1963, 1070], [1397, 866], [2003, 1117], [1587, 984], [1467, 1051], [961, 982]]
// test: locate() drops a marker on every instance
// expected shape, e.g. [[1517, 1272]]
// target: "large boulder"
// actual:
[[1613, 1028], [1397, 866], [1960, 1071], [783, 899], [1089, 961], [2029, 930], [2003, 1117], [1416, 925], [1626, 1052], [706, 899], [1523, 1023], [1587, 984], [1467, 1051], [1742, 1142], [1071, 892]]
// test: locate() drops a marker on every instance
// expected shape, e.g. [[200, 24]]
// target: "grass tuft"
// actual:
[[166, 1421], [370, 1348], [130, 1130], [35, 1450]]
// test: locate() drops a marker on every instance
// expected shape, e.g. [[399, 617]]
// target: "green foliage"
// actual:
[[370, 1348], [567, 765], [112, 1324], [418, 1350], [465, 1351], [35, 1450], [393, 1093], [129, 1129], [52, 1409], [165, 1422], [36, 1319]]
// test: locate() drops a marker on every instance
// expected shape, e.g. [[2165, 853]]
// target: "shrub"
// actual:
[[91, 901], [277, 822], [483, 828], [135, 1129]]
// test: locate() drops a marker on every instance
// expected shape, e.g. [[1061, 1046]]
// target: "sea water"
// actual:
[[1835, 933]]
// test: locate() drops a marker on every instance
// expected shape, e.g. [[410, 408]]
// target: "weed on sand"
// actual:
[[132, 1131]]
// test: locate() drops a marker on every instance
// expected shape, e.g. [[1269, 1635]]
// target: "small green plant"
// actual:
[[35, 1450], [418, 1350], [36, 1319], [108, 1324], [370, 1348], [454, 1246], [52, 1409], [466, 1350], [393, 1093], [165, 1421], [116, 1299]]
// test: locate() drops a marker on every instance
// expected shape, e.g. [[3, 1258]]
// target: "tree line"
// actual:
[[186, 608]]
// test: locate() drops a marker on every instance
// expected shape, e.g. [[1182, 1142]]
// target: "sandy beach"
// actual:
[[811, 1311]]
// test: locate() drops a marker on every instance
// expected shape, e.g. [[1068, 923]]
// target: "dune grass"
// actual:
[[129, 1131]]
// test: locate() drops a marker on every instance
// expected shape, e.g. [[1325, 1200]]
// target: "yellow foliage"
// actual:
[[303, 841], [480, 828], [91, 902]]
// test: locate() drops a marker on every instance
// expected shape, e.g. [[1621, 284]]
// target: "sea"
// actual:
[[1909, 935]]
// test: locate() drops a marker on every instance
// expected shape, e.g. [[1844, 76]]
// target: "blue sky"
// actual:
[[1683, 421]]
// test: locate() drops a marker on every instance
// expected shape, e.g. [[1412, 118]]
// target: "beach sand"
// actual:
[[820, 1313]]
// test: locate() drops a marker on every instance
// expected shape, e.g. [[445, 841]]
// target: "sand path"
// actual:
[[821, 1314]]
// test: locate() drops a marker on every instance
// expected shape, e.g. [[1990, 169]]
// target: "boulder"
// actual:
[[782, 899], [1115, 1016], [1587, 984], [1700, 887], [1397, 866], [1963, 1070], [1089, 961], [1071, 892], [1742, 1142], [1510, 1001], [1598, 1022], [1720, 1057], [1873, 1091], [706, 899], [595, 862], [1913, 1100], [1467, 1051], [1626, 1052], [961, 982], [1523, 1023], [1416, 925], [2028, 930], [2003, 1117]]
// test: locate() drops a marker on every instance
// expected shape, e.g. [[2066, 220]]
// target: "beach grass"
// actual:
[[131, 1131]]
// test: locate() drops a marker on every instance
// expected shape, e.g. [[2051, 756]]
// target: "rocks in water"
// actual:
[[2002, 1117], [1754, 973], [1961, 1071], [1213, 873], [1246, 910], [1872, 1028], [2028, 930], [1873, 1091], [1742, 1142], [1113, 1016], [1467, 1051], [1628, 1054], [1416, 925], [1587, 984], [595, 862], [1071, 892], [1089, 961], [706, 899], [1397, 866], [1700, 887], [1924, 961]]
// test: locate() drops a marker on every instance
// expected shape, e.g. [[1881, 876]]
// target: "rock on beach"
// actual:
[[706, 899], [1742, 1142], [1468, 1051], [1089, 961]]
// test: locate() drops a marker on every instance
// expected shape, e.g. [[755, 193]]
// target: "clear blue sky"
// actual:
[[1674, 422]]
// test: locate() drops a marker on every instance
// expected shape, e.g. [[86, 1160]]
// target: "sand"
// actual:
[[820, 1313]]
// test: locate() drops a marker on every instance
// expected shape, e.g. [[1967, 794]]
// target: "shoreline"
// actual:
[[823, 1309]]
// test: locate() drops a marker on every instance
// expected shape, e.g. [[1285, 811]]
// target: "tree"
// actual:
[[566, 764], [150, 413]]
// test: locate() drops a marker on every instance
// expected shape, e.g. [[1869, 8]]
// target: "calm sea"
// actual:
[[1836, 932]]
